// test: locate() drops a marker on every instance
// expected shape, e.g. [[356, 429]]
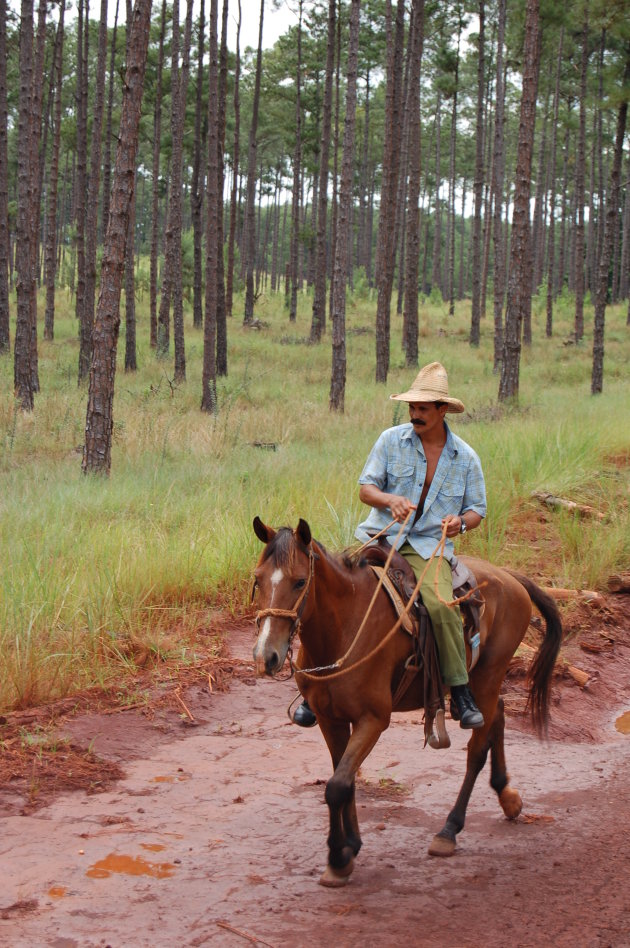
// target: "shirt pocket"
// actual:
[[400, 478], [450, 499]]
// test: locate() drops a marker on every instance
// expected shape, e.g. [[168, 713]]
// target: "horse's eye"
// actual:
[[300, 584]]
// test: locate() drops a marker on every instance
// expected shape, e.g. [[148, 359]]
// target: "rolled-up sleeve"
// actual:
[[375, 469], [475, 490]]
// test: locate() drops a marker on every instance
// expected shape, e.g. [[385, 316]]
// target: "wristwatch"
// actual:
[[463, 527]]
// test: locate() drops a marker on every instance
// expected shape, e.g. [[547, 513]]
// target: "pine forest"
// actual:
[[417, 151]]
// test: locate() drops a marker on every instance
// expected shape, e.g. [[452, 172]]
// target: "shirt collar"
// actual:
[[409, 435]]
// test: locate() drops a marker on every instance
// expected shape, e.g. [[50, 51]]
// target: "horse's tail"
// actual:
[[541, 670]]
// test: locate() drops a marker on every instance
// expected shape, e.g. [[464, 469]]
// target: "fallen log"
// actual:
[[619, 582], [566, 595], [582, 510], [578, 675]]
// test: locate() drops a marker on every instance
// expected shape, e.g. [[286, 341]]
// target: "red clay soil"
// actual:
[[159, 830]]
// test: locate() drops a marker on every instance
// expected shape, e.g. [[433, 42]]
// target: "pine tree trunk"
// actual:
[[579, 189], [155, 179], [297, 168], [611, 223], [538, 228], [36, 162], [363, 174], [252, 167], [222, 346], [520, 278], [318, 321], [452, 166], [475, 322], [176, 181], [561, 275], [386, 252], [436, 269], [498, 175], [335, 174], [107, 159], [414, 172], [99, 417], [462, 241], [197, 182], [91, 216], [209, 372], [624, 265], [25, 283], [599, 153], [338, 309], [131, 363], [174, 196], [229, 290], [551, 254], [85, 335], [5, 339], [276, 234], [50, 256]]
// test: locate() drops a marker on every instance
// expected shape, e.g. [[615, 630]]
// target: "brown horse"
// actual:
[[302, 587]]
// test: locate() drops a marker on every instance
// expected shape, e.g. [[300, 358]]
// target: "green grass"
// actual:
[[97, 571]]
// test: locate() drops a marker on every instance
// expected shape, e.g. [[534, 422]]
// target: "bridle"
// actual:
[[295, 614]]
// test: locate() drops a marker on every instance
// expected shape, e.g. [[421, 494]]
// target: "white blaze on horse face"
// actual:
[[276, 578]]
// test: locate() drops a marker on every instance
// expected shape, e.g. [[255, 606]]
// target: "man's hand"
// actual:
[[400, 507], [453, 525]]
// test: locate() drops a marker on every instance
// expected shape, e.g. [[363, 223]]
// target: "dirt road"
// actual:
[[217, 836]]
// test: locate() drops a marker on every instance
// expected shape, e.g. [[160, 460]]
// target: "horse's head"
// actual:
[[282, 580]]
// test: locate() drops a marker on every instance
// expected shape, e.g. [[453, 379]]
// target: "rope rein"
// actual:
[[338, 668]]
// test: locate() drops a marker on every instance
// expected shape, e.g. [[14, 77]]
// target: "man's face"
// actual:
[[426, 416]]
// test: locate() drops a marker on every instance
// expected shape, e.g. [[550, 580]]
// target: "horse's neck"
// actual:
[[340, 601]]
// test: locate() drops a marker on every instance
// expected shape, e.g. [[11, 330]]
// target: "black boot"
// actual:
[[464, 709], [304, 716]]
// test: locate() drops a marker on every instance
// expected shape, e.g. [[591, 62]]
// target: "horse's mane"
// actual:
[[284, 546]]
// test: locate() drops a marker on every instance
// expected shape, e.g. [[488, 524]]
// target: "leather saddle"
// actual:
[[465, 587]]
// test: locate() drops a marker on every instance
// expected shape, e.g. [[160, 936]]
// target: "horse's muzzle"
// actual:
[[268, 661]]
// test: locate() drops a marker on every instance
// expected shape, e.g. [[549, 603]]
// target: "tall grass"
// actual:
[[95, 572]]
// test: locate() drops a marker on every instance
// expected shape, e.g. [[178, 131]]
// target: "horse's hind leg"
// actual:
[[509, 798], [443, 844], [482, 741]]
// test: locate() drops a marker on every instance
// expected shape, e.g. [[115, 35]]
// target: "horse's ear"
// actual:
[[303, 531], [264, 533]]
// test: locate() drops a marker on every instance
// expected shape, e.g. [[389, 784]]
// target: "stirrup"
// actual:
[[438, 738]]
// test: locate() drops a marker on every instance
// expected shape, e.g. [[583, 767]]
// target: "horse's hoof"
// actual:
[[441, 846], [511, 802], [336, 878]]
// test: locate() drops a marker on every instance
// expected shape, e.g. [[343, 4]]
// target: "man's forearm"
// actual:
[[374, 497]]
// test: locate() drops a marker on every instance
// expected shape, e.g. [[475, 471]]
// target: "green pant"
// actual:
[[446, 621]]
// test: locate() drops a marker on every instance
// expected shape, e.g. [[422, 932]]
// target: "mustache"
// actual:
[[417, 421]]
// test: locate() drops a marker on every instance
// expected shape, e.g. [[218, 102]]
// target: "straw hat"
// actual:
[[431, 385]]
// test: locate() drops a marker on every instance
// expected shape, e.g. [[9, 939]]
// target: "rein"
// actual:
[[338, 667]]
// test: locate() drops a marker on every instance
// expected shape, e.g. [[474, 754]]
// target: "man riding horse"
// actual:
[[422, 467]]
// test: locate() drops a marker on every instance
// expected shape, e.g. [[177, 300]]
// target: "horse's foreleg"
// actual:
[[344, 840], [509, 798], [344, 826]]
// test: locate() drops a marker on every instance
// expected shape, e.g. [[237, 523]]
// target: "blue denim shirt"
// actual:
[[397, 465]]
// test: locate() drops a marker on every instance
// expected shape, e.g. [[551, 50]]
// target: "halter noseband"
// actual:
[[294, 614]]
